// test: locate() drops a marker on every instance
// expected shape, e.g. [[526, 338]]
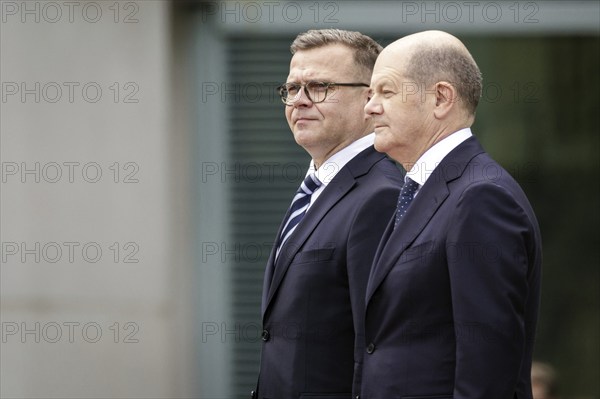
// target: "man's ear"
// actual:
[[446, 97]]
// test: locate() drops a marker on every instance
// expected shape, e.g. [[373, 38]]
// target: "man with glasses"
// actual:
[[316, 276]]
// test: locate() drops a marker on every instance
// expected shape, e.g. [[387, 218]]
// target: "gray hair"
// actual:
[[429, 64]]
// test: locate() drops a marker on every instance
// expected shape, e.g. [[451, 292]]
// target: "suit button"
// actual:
[[371, 348], [265, 335], [357, 397], [253, 395]]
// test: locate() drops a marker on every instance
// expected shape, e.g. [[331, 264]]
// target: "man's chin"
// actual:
[[380, 143], [304, 137]]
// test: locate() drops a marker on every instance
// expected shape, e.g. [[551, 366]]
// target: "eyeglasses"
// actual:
[[315, 91]]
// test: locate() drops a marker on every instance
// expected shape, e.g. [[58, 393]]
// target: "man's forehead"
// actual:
[[321, 65], [391, 55], [309, 71], [383, 74]]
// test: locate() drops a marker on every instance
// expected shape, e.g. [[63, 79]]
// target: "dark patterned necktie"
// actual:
[[405, 198]]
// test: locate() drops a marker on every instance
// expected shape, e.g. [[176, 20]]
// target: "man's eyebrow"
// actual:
[[383, 82]]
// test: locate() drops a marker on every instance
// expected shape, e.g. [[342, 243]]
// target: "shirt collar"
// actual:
[[330, 168], [425, 165]]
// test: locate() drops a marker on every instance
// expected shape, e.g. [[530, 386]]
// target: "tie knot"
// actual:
[[410, 186], [310, 184]]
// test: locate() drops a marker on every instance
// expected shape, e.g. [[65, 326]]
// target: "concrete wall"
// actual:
[[96, 267]]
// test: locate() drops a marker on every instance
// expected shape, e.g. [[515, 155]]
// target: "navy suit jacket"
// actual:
[[452, 300], [313, 297]]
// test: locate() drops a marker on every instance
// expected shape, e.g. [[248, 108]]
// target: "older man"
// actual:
[[316, 276], [452, 300]]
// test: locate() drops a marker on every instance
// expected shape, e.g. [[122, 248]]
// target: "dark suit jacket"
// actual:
[[313, 298], [452, 300]]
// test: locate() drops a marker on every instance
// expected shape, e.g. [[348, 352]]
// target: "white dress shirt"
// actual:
[[330, 168], [425, 165]]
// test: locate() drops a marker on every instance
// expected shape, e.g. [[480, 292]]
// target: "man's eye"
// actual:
[[317, 88]]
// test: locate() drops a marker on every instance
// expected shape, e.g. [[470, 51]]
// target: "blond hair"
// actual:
[[365, 48]]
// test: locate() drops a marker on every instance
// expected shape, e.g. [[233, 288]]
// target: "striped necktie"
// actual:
[[298, 207]]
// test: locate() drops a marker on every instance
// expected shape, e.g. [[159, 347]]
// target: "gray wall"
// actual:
[[78, 324]]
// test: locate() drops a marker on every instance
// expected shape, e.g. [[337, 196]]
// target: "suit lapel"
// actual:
[[428, 200], [422, 209], [384, 239], [268, 277], [342, 183], [270, 269], [332, 194]]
